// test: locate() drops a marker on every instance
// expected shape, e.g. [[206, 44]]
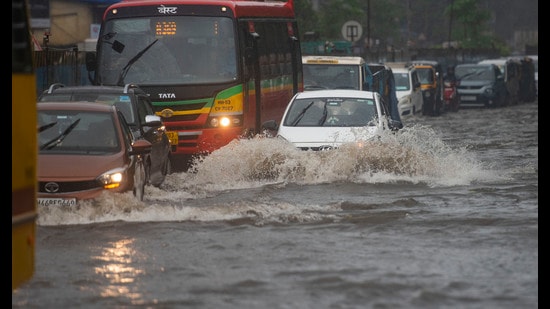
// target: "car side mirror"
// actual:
[[152, 121], [140, 146], [270, 125]]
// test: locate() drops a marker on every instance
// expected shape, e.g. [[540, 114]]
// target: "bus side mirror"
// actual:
[[250, 55]]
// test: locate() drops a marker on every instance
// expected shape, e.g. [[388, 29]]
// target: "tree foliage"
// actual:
[[471, 30], [399, 23]]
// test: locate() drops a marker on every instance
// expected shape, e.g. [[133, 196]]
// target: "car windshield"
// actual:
[[401, 81], [475, 72], [76, 132], [331, 112], [426, 76]]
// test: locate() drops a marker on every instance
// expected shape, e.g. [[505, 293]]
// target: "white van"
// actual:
[[407, 89], [334, 72]]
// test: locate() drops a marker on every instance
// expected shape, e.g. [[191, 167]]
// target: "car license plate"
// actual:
[[468, 97], [56, 201], [173, 137]]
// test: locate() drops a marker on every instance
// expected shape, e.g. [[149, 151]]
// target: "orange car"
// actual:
[[85, 149]]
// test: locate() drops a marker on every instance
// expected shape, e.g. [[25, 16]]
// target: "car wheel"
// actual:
[[148, 171], [139, 180]]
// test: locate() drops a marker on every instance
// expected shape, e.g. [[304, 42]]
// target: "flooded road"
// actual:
[[443, 214]]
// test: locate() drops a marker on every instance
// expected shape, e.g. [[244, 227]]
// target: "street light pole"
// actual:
[[450, 23]]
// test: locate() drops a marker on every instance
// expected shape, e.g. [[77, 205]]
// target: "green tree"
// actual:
[[471, 23], [387, 21], [472, 29], [334, 13], [306, 16]]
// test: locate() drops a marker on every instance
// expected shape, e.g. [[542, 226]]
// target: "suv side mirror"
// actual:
[[152, 121]]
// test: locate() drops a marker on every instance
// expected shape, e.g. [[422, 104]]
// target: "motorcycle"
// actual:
[[451, 98]]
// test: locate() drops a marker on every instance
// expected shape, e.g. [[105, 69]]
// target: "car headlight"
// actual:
[[113, 178], [489, 90]]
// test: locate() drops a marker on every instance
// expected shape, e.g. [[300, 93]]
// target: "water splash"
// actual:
[[415, 155]]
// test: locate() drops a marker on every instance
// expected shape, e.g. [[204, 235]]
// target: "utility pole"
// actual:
[[408, 23], [450, 23], [368, 24]]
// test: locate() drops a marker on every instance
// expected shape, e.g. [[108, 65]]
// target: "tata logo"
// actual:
[[167, 95], [167, 113]]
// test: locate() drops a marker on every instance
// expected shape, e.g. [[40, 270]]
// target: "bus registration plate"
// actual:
[[173, 137], [56, 201]]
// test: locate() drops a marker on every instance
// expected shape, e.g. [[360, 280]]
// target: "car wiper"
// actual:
[[126, 68], [58, 139], [46, 126], [469, 74], [301, 115], [324, 117]]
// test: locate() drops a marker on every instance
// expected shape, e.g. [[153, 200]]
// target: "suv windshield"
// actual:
[[475, 72]]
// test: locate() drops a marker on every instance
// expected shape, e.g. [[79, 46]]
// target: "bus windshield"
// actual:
[[174, 50]]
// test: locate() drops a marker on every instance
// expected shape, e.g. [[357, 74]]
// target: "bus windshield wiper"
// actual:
[[301, 115], [58, 139], [126, 68]]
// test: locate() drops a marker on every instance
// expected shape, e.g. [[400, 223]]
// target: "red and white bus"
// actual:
[[214, 69]]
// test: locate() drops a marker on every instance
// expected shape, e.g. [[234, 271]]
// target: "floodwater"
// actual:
[[443, 214]]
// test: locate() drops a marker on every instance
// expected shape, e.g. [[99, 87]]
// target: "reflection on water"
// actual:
[[116, 267]]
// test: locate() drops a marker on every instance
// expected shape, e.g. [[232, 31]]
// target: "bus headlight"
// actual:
[[225, 121]]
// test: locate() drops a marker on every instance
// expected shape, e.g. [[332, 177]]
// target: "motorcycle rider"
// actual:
[[450, 94]]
